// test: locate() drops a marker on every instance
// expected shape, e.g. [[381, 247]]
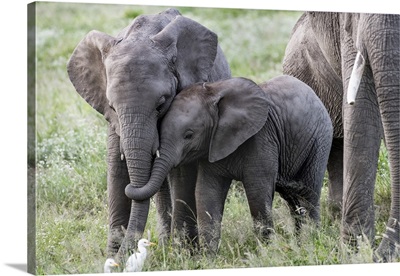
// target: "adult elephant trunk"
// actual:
[[161, 168], [138, 140], [386, 68], [377, 106]]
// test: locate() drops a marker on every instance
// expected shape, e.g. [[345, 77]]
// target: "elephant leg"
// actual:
[[260, 195], [313, 172], [183, 184], [211, 192], [118, 204], [297, 211], [301, 201], [303, 193], [362, 137], [386, 78], [335, 175], [262, 217], [164, 211]]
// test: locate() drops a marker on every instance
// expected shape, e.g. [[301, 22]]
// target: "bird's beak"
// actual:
[[114, 265], [152, 243]]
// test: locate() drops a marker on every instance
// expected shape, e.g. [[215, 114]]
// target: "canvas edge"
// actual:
[[31, 128]]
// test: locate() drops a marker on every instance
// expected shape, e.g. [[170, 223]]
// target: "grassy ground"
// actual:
[[71, 152]]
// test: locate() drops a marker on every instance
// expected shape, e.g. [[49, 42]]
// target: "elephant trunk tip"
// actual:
[[135, 192], [130, 190], [144, 190]]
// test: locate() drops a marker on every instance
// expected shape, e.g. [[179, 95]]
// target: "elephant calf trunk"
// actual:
[[137, 193], [159, 172], [355, 78]]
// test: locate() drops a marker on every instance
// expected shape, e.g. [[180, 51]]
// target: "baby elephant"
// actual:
[[275, 136]]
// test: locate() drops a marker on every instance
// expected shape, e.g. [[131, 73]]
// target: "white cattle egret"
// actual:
[[136, 260], [109, 264]]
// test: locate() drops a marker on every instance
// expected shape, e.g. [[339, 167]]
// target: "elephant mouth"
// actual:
[[191, 156]]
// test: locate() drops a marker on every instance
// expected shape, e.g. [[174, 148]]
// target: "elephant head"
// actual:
[[132, 78], [206, 120]]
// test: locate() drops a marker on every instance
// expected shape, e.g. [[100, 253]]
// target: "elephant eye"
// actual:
[[188, 135], [118, 41], [160, 104]]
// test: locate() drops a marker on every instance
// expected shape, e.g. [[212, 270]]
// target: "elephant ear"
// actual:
[[243, 109], [190, 47], [88, 75]]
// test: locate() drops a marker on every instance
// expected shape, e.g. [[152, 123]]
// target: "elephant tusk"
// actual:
[[355, 78], [122, 156], [157, 153]]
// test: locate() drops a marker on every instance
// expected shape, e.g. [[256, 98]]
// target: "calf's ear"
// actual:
[[242, 108]]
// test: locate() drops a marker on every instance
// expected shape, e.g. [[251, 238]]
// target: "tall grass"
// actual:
[[71, 152]]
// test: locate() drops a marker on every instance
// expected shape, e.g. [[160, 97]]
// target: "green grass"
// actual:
[[71, 152]]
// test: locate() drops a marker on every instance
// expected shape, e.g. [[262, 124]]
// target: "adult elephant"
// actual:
[[338, 54], [131, 79]]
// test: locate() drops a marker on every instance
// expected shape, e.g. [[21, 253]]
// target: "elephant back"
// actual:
[[297, 105]]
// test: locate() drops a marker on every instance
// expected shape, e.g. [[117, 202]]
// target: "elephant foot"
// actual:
[[164, 232], [264, 229], [210, 250], [163, 239], [355, 238], [185, 236], [334, 203], [128, 246], [358, 229], [389, 248], [335, 209], [115, 238], [387, 252]]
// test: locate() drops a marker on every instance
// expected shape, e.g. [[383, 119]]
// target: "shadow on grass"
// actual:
[[20, 267]]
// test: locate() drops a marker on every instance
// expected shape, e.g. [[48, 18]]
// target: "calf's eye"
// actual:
[[160, 104], [188, 135]]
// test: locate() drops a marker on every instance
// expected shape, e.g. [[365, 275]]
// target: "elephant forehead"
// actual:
[[135, 68], [134, 57], [186, 109], [138, 77]]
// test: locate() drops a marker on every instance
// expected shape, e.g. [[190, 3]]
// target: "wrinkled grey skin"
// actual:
[[321, 52], [131, 79], [272, 137]]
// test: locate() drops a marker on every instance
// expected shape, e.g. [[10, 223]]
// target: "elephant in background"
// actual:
[[131, 79], [272, 137], [338, 55]]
